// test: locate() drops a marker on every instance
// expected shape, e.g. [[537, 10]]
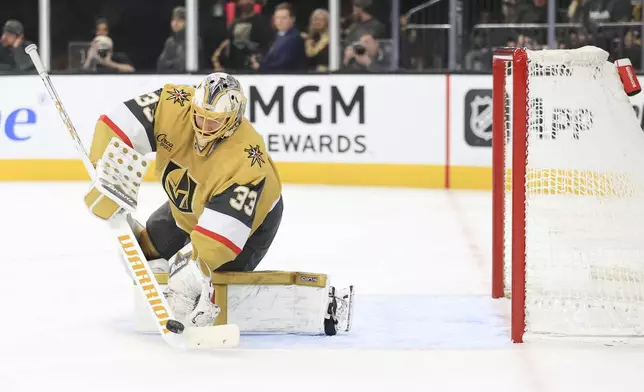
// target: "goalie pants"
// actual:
[[168, 238]]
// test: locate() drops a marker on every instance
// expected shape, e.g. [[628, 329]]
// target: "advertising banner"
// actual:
[[350, 118], [308, 118], [348, 129], [470, 143]]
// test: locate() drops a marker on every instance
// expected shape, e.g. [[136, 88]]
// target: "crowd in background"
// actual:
[[259, 36], [613, 25], [253, 40]]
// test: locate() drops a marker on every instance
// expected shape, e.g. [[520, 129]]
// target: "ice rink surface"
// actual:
[[424, 321]]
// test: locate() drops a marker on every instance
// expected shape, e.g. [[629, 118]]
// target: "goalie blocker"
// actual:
[[269, 302]]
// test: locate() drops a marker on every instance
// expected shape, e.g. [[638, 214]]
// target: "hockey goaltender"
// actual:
[[223, 210]]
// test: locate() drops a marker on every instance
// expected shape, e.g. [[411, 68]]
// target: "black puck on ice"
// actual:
[[175, 326]]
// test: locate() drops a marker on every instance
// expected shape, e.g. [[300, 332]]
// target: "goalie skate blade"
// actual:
[[221, 336]]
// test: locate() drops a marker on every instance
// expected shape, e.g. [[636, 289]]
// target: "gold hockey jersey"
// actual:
[[219, 199]]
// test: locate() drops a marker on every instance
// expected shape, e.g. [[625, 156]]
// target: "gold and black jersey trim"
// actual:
[[144, 109], [238, 201]]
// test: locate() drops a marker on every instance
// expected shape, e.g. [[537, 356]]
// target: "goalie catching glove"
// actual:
[[119, 173], [190, 291]]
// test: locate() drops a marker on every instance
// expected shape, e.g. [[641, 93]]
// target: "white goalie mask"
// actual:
[[218, 107]]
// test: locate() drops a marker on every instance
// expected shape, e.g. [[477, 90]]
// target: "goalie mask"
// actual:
[[218, 107]]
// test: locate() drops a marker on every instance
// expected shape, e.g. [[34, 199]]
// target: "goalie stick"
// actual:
[[172, 331]]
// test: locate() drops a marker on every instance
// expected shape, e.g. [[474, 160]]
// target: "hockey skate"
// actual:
[[340, 310]]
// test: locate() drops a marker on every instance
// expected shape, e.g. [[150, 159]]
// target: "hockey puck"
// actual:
[[175, 326]]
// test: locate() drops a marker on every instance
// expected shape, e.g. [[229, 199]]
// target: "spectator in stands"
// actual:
[[12, 51], [510, 11], [536, 11], [632, 51], [287, 52], [366, 55], [591, 12], [575, 11], [525, 41], [250, 34], [637, 13], [6, 60], [479, 58], [214, 29], [101, 57], [364, 22], [317, 41], [479, 55], [102, 27], [411, 49], [231, 10], [609, 10], [173, 57]]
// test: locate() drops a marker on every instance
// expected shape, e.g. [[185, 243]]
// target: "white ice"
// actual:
[[420, 260]]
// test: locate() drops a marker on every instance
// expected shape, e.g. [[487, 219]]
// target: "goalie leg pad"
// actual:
[[268, 302], [339, 315], [273, 302]]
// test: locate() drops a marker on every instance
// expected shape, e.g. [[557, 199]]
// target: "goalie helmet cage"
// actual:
[[568, 200]]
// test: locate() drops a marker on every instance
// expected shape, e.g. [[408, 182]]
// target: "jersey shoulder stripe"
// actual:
[[128, 128], [221, 239], [228, 216], [223, 228], [117, 130], [143, 109]]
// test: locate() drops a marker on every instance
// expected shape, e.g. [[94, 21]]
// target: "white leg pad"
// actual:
[[276, 308], [259, 302], [273, 301]]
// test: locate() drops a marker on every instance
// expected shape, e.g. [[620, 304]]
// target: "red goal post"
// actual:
[[568, 196], [504, 60]]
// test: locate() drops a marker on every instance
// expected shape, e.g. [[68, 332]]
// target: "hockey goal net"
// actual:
[[568, 204]]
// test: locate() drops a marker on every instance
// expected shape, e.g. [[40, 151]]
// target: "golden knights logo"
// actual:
[[255, 155], [179, 96], [179, 186]]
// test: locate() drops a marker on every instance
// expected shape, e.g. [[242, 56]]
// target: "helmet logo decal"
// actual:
[[218, 85]]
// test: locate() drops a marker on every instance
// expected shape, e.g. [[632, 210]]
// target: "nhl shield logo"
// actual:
[[478, 118], [481, 117]]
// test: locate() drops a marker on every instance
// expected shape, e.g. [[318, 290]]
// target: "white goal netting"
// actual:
[[584, 189]]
